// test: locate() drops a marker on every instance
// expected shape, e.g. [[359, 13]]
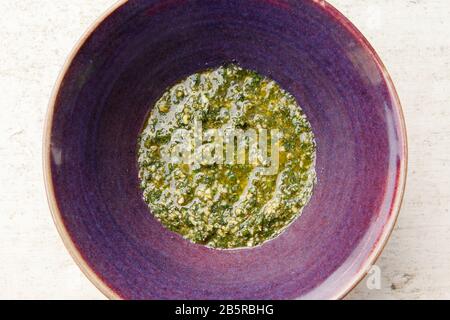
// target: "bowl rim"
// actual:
[[96, 279]]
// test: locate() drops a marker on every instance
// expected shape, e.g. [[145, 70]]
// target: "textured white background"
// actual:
[[411, 36]]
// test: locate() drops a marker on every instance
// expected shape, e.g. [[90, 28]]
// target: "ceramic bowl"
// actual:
[[124, 64]]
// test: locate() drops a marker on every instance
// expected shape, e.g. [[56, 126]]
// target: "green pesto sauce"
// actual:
[[226, 204]]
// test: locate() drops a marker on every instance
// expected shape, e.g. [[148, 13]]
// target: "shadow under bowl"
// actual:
[[124, 65]]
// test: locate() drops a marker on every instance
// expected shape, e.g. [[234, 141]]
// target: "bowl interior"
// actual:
[[125, 65]]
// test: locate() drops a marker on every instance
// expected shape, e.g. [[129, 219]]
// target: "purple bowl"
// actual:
[[122, 66]]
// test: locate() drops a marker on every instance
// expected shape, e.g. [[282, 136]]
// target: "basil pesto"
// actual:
[[226, 158]]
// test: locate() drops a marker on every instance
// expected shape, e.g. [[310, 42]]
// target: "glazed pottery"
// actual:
[[124, 64]]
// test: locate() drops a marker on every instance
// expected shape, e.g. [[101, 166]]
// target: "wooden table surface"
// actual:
[[411, 36]]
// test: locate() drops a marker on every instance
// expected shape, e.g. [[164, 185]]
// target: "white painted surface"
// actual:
[[412, 38]]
